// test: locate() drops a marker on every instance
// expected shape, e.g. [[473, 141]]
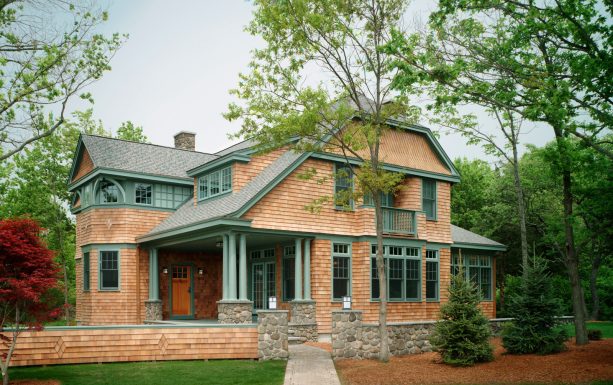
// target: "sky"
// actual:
[[181, 59]]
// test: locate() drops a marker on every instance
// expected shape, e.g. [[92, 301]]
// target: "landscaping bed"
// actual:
[[578, 365]]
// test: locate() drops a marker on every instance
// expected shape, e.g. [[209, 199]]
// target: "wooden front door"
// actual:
[[181, 290]]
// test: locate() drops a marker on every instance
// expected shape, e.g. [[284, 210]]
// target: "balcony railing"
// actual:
[[399, 221]]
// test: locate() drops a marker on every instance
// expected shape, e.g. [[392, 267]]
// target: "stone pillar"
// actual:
[[272, 335], [303, 322], [242, 263], [346, 334], [298, 270], [307, 269], [153, 306], [232, 267], [225, 273], [234, 312]]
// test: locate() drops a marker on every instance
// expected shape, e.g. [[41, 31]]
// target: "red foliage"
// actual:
[[27, 269]]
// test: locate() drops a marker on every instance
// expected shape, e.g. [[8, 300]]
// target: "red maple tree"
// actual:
[[27, 272]]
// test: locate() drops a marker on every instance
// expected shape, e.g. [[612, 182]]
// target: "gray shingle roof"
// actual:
[[245, 144], [460, 235], [227, 205], [142, 157]]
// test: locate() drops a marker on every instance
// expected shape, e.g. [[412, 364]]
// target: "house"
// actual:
[[168, 234]]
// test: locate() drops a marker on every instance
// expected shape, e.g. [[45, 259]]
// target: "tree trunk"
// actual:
[[384, 354], [521, 209]]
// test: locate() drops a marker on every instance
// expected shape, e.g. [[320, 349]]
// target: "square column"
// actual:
[[153, 306], [232, 267], [307, 269], [298, 271], [224, 271], [242, 267]]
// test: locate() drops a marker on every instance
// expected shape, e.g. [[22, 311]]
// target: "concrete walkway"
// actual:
[[310, 365]]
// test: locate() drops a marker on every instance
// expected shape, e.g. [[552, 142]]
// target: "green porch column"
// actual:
[[242, 267], [232, 267], [225, 272], [307, 269], [154, 285], [298, 270]]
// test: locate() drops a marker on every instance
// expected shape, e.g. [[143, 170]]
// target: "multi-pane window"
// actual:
[[432, 281], [477, 268], [387, 200], [171, 197], [215, 183], [86, 274], [259, 254], [341, 270], [109, 270], [109, 193], [343, 187], [428, 198], [403, 273], [142, 194], [289, 272]]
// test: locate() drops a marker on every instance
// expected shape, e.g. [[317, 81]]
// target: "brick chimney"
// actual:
[[186, 140]]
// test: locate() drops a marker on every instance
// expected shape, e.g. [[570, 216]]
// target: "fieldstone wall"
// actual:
[[235, 312], [303, 322], [272, 335], [153, 310], [347, 334], [498, 323]]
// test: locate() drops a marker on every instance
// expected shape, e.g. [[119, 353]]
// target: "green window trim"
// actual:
[[341, 271], [403, 271], [387, 199], [477, 268], [143, 194], [428, 198], [432, 275], [109, 266], [343, 182], [171, 197], [215, 183], [289, 273], [86, 271]]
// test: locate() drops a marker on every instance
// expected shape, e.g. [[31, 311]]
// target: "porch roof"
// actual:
[[463, 238]]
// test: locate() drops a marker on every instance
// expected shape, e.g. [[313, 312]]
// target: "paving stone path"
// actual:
[[310, 365]]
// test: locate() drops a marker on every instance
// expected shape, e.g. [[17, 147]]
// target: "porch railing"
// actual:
[[399, 221]]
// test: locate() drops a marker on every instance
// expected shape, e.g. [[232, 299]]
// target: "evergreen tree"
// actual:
[[534, 309], [463, 332]]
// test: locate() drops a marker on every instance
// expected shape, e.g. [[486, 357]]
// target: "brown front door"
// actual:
[[181, 290]]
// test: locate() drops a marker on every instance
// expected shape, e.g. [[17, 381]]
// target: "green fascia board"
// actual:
[[478, 246], [107, 246], [119, 206], [388, 167], [188, 182], [219, 162], [208, 224], [75, 159]]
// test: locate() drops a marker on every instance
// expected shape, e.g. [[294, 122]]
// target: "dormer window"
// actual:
[[109, 192], [215, 183]]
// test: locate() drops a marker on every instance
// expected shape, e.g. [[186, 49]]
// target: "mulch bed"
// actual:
[[577, 365], [35, 382]]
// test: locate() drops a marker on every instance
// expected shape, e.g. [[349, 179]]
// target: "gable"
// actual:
[[84, 165]]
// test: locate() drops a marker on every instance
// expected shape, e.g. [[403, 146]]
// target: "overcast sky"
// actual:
[[180, 60]]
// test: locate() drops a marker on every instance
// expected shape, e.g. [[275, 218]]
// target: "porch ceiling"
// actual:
[[254, 241]]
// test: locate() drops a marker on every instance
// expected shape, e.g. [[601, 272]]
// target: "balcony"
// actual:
[[399, 221]]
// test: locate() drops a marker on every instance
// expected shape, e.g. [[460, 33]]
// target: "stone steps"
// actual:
[[296, 340]]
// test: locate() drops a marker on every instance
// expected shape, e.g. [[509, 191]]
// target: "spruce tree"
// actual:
[[533, 329], [463, 332]]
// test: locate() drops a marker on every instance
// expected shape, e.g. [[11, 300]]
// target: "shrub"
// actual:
[[534, 309], [594, 334], [462, 334]]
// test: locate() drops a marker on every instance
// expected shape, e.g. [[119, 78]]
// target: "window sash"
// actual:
[[341, 270], [403, 273], [387, 199], [478, 269], [215, 183], [343, 181], [86, 272], [109, 270], [109, 193], [143, 194], [429, 198]]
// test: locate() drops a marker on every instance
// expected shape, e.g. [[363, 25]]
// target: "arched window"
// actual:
[[109, 193]]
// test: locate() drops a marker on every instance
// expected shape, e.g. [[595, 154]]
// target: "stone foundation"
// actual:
[[272, 335], [235, 312], [303, 322], [153, 310]]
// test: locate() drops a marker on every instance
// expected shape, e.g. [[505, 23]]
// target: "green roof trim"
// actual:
[[478, 247], [220, 162], [207, 224], [132, 175]]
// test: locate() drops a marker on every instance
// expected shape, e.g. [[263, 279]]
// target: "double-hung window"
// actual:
[[477, 268], [341, 270], [403, 273], [86, 274], [108, 276], [343, 187], [215, 183], [428, 198], [289, 272], [142, 194], [432, 280]]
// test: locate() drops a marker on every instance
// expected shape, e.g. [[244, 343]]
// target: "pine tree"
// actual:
[[533, 329], [462, 334]]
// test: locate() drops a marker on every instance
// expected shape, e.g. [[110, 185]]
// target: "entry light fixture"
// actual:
[[200, 270], [346, 303], [219, 244], [272, 303], [165, 270]]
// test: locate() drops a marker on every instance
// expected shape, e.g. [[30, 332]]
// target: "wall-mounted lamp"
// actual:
[[165, 270], [346, 303], [272, 303], [200, 270], [219, 244]]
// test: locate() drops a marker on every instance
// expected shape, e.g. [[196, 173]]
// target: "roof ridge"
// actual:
[[148, 144]]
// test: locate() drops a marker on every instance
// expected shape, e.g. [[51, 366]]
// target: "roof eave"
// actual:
[[479, 246]]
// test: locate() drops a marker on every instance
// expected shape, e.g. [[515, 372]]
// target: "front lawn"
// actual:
[[605, 326], [159, 373]]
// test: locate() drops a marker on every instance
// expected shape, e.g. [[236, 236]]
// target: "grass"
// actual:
[[606, 327], [159, 373]]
